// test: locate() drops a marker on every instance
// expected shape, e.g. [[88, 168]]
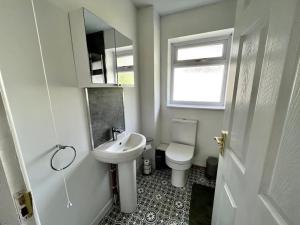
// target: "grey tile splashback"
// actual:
[[106, 111]]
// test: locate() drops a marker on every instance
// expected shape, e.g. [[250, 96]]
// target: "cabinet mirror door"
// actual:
[[124, 60], [101, 47]]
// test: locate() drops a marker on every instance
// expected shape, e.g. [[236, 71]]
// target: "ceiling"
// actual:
[[165, 7]]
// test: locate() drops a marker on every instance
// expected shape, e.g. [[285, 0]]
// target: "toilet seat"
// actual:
[[180, 155]]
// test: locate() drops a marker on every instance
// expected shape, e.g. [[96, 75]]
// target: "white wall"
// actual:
[[27, 87], [149, 71], [156, 88], [199, 20], [145, 23]]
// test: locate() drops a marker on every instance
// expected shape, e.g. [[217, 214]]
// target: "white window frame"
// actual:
[[223, 60], [124, 68], [124, 51]]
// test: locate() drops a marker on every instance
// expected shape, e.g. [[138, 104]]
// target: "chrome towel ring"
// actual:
[[60, 148]]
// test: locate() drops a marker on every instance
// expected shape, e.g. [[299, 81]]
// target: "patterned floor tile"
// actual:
[[158, 201]]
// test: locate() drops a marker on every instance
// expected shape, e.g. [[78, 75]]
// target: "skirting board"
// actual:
[[102, 213]]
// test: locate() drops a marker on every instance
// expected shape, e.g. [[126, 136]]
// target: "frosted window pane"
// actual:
[[126, 78], [126, 60], [200, 52], [198, 84]]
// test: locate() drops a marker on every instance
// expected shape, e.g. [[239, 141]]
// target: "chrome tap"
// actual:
[[115, 132]]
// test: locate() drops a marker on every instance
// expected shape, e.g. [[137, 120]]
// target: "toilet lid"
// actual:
[[180, 153]]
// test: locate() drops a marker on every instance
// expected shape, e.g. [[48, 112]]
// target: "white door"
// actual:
[[11, 178], [8, 214], [8, 167], [258, 177]]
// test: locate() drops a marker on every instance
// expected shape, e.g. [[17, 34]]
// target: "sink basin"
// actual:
[[127, 147], [124, 152]]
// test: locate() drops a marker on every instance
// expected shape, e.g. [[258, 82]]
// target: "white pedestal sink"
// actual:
[[124, 152]]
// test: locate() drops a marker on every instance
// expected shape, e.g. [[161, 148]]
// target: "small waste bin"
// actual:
[[160, 159], [211, 167]]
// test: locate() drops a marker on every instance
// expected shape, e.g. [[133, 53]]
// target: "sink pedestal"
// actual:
[[124, 151], [127, 186]]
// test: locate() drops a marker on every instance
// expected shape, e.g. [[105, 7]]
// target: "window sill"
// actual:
[[196, 107], [127, 85]]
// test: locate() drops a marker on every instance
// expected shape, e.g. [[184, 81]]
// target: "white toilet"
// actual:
[[180, 152]]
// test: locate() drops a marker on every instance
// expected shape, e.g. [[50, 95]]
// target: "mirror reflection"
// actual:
[[125, 59], [100, 39]]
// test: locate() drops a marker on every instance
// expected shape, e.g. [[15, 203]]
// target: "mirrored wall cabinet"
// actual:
[[103, 56]]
